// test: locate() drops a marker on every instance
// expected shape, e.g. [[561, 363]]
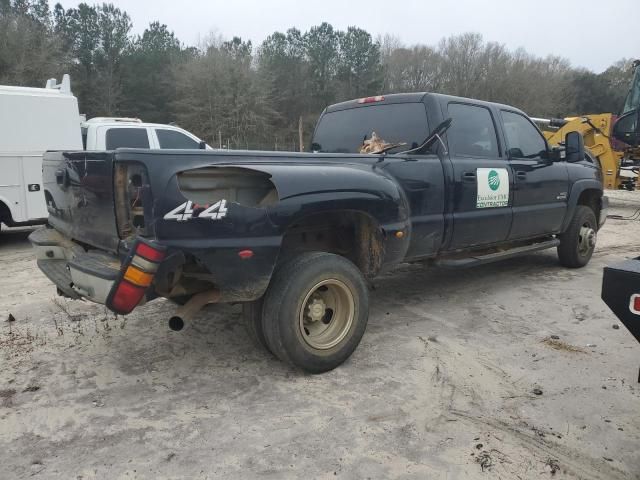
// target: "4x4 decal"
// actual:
[[189, 210]]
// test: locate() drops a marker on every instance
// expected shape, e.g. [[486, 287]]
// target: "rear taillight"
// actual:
[[136, 276], [634, 304], [132, 192]]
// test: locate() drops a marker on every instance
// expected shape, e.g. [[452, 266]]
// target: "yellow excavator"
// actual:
[[613, 140]]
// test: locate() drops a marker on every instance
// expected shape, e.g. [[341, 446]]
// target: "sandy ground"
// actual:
[[441, 387]]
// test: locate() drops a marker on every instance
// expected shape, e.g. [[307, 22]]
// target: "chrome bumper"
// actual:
[[75, 272]]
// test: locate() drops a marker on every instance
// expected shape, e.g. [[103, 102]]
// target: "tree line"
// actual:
[[234, 94]]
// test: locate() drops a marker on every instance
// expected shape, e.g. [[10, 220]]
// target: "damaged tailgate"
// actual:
[[78, 189]]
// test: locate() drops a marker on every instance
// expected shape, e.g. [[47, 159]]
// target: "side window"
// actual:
[[126, 138], [523, 139], [472, 132], [175, 139]]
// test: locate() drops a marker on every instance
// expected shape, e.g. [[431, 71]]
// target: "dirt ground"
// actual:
[[457, 377]]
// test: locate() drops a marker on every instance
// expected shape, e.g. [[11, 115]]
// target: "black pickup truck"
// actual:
[[295, 236]]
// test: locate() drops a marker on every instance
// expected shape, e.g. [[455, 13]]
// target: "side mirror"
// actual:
[[556, 154], [574, 146], [515, 152], [202, 145]]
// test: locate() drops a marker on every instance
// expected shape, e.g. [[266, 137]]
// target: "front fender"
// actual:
[[577, 188]]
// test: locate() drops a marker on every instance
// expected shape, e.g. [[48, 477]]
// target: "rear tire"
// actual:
[[578, 242], [315, 311], [252, 316]]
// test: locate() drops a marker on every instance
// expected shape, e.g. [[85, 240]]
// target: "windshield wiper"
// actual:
[[390, 147]]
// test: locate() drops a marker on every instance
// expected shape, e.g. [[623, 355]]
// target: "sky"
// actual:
[[590, 33]]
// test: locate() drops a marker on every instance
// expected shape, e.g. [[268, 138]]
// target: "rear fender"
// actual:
[[301, 189]]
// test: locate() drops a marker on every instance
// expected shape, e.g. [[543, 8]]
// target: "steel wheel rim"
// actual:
[[326, 314], [586, 239]]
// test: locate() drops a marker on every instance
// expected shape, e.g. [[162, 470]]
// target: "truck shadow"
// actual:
[[15, 238], [409, 279], [216, 339]]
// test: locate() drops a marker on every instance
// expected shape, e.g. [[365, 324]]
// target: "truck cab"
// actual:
[[492, 179], [109, 133]]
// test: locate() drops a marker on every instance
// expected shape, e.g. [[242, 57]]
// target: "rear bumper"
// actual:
[[213, 263], [75, 272]]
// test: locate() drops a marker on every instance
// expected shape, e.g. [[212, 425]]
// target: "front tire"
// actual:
[[578, 242], [315, 311]]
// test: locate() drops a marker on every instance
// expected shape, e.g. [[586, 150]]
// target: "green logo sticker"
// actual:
[[494, 180]]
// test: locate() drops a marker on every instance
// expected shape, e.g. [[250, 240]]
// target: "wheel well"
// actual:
[[5, 214], [353, 235], [591, 198]]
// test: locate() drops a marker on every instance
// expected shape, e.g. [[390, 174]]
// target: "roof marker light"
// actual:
[[378, 98]]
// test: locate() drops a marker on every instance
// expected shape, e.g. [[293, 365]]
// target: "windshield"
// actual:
[[344, 131]]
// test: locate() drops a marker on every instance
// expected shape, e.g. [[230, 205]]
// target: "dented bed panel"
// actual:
[[211, 209], [186, 209]]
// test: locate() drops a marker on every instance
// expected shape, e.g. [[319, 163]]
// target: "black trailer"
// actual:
[[621, 293]]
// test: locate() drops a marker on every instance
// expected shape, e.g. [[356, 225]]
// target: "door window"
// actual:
[[523, 139], [127, 138], [175, 139], [472, 132]]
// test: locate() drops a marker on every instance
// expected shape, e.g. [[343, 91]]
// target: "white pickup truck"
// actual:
[[34, 120]]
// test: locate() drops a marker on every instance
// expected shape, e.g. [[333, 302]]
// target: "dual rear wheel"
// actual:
[[314, 313]]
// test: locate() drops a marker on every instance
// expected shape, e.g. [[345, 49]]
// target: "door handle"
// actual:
[[521, 175], [60, 177], [469, 176]]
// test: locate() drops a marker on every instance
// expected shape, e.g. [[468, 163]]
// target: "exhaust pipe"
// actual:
[[176, 324], [194, 305]]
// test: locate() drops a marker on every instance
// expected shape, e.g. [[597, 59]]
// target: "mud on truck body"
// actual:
[[295, 237]]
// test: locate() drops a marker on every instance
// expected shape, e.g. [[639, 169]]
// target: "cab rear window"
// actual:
[[345, 130]]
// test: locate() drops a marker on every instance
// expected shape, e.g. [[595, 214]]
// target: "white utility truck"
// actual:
[[34, 120]]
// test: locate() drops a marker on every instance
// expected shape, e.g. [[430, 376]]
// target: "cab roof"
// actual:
[[413, 97]]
